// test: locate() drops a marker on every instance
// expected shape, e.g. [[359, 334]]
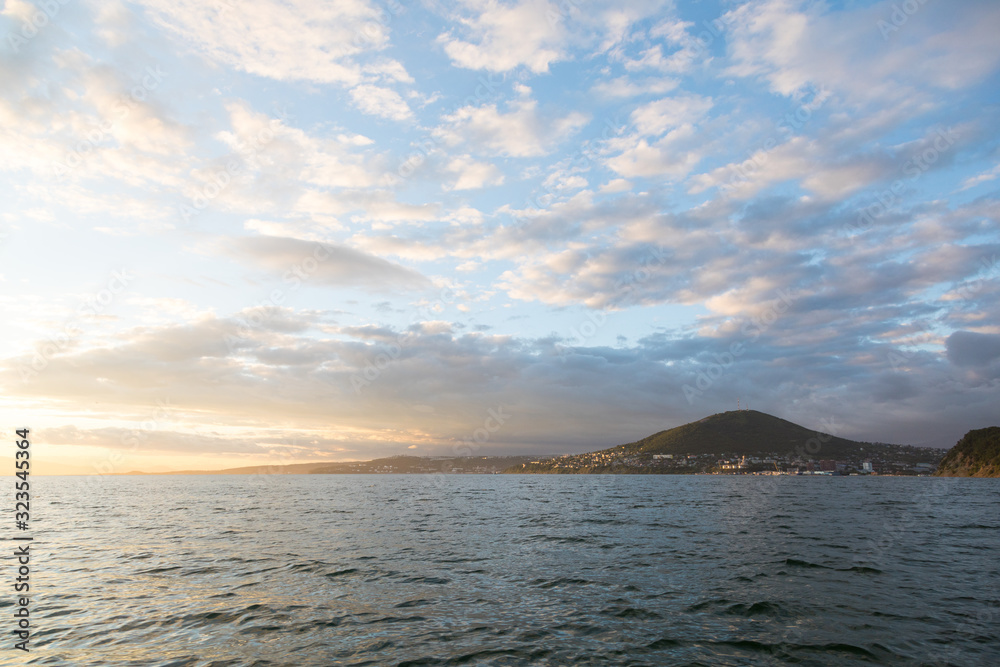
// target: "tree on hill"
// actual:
[[977, 454], [745, 432]]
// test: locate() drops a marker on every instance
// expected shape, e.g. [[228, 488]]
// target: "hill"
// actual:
[[756, 440], [977, 454], [744, 433], [390, 465]]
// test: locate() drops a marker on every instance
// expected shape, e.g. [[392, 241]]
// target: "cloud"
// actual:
[[616, 185], [287, 154], [505, 36], [522, 132], [272, 169], [472, 175], [298, 261], [983, 177], [678, 62], [383, 211], [798, 158], [630, 87], [174, 442], [109, 121], [966, 348], [559, 390], [663, 115], [303, 230], [732, 192], [678, 149], [379, 101], [835, 170], [294, 40], [674, 155], [794, 46]]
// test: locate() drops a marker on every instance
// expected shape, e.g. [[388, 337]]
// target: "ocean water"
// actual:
[[512, 570]]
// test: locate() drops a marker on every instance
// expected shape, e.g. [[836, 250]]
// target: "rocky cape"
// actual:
[[977, 454]]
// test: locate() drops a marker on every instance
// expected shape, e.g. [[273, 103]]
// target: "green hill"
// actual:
[[759, 441], [744, 433], [977, 454]]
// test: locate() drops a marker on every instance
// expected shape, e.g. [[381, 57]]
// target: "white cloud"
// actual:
[[795, 46], [656, 118], [625, 86], [294, 40], [539, 205], [303, 230], [379, 101], [20, 11], [674, 155], [379, 207], [983, 177], [91, 121], [472, 174], [678, 62], [616, 185], [276, 152], [133, 121], [522, 132], [503, 37]]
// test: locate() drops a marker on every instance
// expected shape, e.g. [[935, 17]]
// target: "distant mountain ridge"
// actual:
[[392, 465], [977, 454], [766, 441]]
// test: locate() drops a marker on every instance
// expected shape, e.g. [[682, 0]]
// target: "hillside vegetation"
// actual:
[[977, 454], [759, 441], [743, 432]]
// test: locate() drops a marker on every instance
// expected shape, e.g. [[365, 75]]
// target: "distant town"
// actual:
[[881, 459], [746, 442], [894, 460], [738, 442]]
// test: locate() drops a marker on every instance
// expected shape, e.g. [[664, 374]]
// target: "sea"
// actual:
[[410, 570]]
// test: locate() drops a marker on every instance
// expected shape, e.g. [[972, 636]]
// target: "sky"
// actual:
[[243, 233]]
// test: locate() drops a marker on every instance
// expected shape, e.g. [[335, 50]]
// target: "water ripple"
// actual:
[[509, 570]]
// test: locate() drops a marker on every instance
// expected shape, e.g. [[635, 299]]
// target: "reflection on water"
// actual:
[[512, 570]]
